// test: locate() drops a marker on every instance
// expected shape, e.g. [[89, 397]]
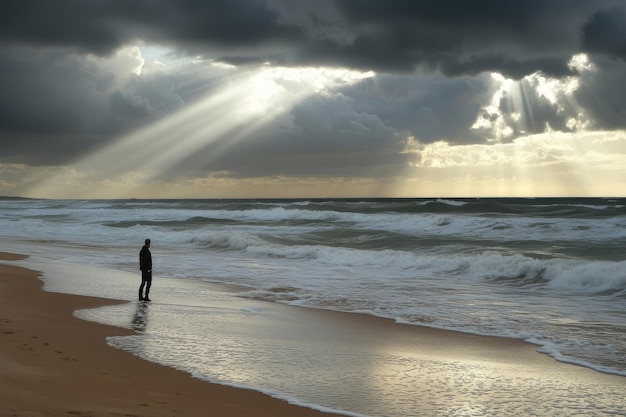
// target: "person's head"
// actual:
[[147, 242]]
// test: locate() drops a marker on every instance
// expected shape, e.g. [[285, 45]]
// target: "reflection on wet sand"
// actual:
[[140, 318]]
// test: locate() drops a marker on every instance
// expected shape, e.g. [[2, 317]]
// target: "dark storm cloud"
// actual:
[[102, 26], [46, 100], [429, 107], [455, 36], [512, 37], [459, 37], [602, 94], [56, 106], [605, 33]]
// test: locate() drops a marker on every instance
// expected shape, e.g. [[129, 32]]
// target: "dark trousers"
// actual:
[[146, 280]]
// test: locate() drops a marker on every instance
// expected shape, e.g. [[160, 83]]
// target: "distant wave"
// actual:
[[190, 222]]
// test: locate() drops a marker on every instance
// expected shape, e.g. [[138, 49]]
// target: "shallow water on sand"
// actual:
[[332, 361]]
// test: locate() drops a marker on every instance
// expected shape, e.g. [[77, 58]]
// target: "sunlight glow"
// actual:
[[547, 164], [517, 115], [581, 63], [491, 117]]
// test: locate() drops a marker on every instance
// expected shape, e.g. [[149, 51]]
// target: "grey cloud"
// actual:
[[321, 118], [57, 106], [88, 26], [48, 107], [454, 36], [46, 85], [513, 37], [102, 26], [605, 33], [601, 94], [430, 108]]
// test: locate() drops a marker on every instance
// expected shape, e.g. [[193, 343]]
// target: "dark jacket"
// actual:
[[145, 259]]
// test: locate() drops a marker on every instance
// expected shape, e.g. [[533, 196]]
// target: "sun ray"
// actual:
[[235, 111], [523, 88]]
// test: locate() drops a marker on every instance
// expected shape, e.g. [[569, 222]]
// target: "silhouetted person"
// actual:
[[145, 264]]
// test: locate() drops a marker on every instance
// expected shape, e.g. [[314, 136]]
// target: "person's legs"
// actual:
[[148, 285], [144, 280]]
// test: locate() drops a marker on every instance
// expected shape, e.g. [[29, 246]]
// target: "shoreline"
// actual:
[[55, 364], [450, 369]]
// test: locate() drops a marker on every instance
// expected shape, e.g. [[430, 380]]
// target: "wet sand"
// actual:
[[54, 364]]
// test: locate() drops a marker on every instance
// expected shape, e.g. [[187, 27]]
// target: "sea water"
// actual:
[[548, 271]]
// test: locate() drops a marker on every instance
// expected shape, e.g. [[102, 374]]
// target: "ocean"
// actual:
[[550, 271]]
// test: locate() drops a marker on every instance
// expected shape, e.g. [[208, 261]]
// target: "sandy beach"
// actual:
[[54, 364]]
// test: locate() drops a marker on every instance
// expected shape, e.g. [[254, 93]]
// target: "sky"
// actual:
[[312, 98]]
